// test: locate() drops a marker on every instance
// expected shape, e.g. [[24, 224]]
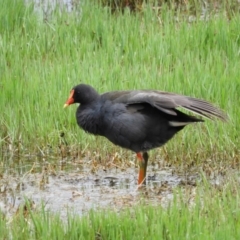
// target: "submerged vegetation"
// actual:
[[193, 53]]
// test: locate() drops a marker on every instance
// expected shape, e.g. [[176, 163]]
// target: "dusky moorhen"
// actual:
[[139, 120]]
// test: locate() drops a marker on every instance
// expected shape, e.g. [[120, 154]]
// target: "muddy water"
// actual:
[[80, 188], [80, 180]]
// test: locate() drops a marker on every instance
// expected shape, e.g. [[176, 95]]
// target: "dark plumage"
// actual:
[[138, 120]]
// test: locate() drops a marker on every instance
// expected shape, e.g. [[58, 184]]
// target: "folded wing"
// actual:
[[167, 102]]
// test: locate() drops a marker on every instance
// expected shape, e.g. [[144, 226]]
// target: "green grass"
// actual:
[[41, 61], [208, 213]]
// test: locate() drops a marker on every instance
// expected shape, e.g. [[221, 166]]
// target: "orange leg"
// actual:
[[143, 160]]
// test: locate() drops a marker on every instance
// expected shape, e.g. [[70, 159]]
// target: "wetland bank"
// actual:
[[58, 182]]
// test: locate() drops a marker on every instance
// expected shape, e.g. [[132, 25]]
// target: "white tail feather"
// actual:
[[178, 124]]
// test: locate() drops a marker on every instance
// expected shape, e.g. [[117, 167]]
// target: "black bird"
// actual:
[[139, 120]]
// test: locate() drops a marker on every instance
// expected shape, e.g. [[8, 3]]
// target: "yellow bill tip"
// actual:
[[65, 105]]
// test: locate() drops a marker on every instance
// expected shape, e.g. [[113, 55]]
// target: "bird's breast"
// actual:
[[89, 120]]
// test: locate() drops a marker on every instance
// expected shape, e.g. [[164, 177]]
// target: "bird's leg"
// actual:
[[143, 160]]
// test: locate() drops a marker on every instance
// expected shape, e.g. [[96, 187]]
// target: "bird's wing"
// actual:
[[166, 102]]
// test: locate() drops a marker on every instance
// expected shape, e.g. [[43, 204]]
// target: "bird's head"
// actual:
[[82, 94]]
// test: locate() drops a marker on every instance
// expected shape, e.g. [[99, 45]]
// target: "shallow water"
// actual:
[[83, 181], [78, 187]]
